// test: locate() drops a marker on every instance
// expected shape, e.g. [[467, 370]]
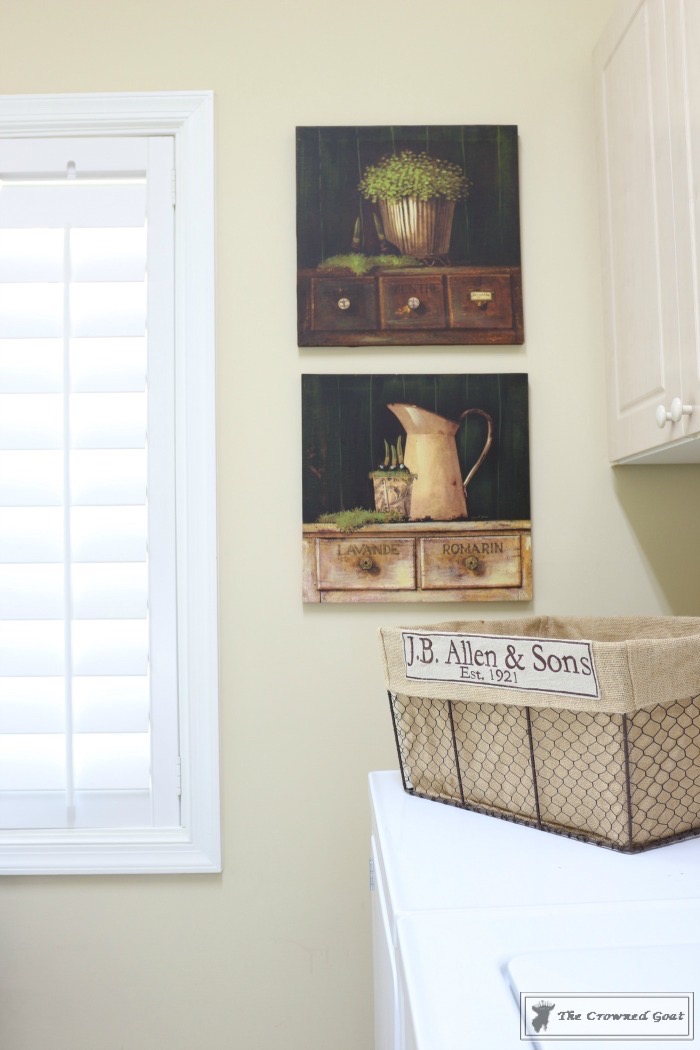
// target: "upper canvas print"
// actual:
[[408, 236]]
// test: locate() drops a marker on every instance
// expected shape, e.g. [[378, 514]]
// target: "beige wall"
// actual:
[[274, 954]]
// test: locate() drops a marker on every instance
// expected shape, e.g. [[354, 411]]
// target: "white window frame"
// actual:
[[196, 845]]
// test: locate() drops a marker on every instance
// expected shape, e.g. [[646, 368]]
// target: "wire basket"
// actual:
[[588, 728]]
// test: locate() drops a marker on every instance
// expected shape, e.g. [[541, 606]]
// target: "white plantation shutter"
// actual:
[[88, 627]]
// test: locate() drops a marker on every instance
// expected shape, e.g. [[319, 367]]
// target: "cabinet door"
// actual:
[[684, 80], [640, 277]]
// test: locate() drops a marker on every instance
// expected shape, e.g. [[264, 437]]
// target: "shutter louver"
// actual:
[[85, 669]]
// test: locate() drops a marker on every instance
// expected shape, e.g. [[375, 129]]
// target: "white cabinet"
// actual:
[[648, 79]]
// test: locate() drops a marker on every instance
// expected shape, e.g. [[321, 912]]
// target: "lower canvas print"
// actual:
[[416, 488]]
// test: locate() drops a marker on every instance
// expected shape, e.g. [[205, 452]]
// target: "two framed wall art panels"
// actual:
[[415, 486]]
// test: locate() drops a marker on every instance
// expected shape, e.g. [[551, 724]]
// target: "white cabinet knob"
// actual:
[[414, 302], [678, 410], [343, 304]]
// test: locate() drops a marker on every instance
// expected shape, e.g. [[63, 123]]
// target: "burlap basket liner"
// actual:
[[622, 770], [640, 661]]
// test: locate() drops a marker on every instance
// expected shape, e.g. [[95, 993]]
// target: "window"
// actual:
[[108, 684]]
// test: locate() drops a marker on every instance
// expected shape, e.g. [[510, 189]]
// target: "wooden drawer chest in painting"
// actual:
[[419, 561], [446, 305]]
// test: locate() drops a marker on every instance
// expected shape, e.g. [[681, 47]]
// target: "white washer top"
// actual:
[[462, 971], [435, 856]]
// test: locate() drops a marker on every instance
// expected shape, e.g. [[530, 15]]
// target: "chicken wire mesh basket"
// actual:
[[586, 727]]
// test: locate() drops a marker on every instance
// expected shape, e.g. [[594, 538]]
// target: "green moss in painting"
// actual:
[[351, 520], [399, 474], [363, 264]]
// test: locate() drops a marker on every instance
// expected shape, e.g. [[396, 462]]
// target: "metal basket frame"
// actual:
[[651, 774]]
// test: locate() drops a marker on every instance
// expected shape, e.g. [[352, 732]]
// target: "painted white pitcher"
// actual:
[[438, 492]]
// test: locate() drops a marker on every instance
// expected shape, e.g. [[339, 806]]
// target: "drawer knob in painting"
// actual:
[[413, 302], [471, 563], [343, 304], [367, 565], [482, 299]]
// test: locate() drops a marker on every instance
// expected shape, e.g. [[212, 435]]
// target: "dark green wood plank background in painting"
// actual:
[[345, 422], [330, 163]]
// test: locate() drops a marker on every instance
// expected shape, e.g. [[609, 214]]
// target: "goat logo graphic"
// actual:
[[541, 1019]]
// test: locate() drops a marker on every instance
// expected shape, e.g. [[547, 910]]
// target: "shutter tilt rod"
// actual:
[[71, 178]]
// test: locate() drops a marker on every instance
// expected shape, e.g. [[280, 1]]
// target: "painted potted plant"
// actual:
[[416, 196], [392, 482]]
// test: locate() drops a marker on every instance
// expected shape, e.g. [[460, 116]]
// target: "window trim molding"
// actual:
[[196, 845]]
